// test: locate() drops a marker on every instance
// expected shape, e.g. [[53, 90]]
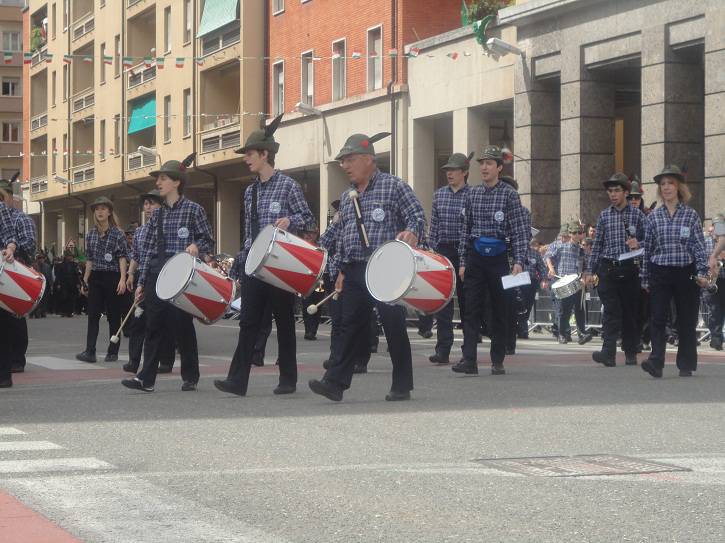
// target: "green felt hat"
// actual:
[[634, 191], [262, 139], [575, 228], [360, 144], [174, 169], [492, 152], [154, 195], [458, 161], [102, 201], [671, 170], [618, 179]]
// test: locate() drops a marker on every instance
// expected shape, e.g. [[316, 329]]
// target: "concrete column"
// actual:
[[470, 133], [69, 227], [421, 168], [537, 166], [333, 182], [587, 138], [672, 113], [48, 232], [714, 174], [227, 217]]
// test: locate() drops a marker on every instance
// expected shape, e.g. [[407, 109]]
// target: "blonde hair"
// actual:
[[683, 191], [112, 218]]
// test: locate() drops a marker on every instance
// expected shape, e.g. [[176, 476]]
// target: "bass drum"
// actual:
[[21, 288]]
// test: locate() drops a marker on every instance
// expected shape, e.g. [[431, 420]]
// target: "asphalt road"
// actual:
[[108, 464]]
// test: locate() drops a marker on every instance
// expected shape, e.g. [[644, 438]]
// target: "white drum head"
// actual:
[[566, 280], [259, 249], [390, 271], [174, 276]]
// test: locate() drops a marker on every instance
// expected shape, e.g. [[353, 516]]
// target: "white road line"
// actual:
[[28, 446], [117, 509], [55, 363], [8, 431], [52, 465]]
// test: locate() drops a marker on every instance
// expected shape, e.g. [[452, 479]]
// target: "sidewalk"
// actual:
[[20, 524]]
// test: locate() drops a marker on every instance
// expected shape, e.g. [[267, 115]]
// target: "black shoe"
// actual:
[[130, 368], [164, 368], [136, 384], [427, 334], [311, 337], [630, 359], [257, 359], [523, 336], [464, 366], [360, 368], [17, 369], [6, 383], [225, 385], [326, 389], [86, 356], [111, 358], [497, 369], [715, 344], [438, 359], [510, 351], [563, 340], [602, 358], [584, 338], [685, 373], [640, 348], [188, 386], [394, 396], [327, 364], [650, 368], [284, 389]]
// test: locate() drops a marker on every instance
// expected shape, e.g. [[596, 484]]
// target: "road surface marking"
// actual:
[[52, 465], [27, 446], [8, 431]]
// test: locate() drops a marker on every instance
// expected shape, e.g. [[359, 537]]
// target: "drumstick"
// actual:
[[117, 336], [358, 218], [312, 309]]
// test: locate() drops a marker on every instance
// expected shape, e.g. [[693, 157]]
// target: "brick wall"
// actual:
[[315, 24]]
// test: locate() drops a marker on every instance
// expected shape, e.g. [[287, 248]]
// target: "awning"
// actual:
[[143, 115], [216, 14]]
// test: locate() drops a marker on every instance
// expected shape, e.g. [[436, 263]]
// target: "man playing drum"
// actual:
[[272, 199], [388, 210], [620, 230], [492, 213], [178, 225]]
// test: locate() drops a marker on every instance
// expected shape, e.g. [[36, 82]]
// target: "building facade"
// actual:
[[11, 91]]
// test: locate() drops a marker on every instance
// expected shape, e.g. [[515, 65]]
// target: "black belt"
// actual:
[[618, 263]]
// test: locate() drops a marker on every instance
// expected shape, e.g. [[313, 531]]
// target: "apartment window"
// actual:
[[167, 119], [65, 15], [52, 20], [11, 86], [103, 63], [187, 112], [11, 41], [66, 82], [307, 86], [11, 132], [117, 56], [53, 79], [277, 6], [66, 152], [278, 88], [375, 58], [102, 139], [117, 134], [188, 15], [167, 29], [339, 70], [53, 153]]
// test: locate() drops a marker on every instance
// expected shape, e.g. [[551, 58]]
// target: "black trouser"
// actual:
[[444, 318], [529, 297], [356, 310], [6, 361], [667, 283], [102, 297], [17, 342], [643, 316], [164, 321], [566, 306], [137, 331], [716, 309], [619, 292], [334, 309], [312, 322], [425, 323], [255, 295], [484, 273], [518, 314]]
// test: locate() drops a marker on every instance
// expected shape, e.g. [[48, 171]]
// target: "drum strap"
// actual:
[[253, 214]]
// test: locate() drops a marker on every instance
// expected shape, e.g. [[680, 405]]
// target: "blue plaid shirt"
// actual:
[[7, 231], [614, 228], [535, 266], [328, 240], [105, 251], [278, 197], [136, 243], [184, 223], [446, 217], [388, 206], [495, 213], [709, 248], [23, 229], [566, 257], [673, 241]]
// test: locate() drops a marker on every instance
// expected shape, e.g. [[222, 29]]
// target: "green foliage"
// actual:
[[36, 38], [478, 9]]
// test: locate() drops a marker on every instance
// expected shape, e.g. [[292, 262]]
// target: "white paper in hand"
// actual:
[[518, 280], [631, 254]]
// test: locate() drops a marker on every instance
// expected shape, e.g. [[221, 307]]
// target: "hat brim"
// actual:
[[148, 196], [261, 147], [176, 176], [610, 183], [453, 167], [94, 205], [678, 176]]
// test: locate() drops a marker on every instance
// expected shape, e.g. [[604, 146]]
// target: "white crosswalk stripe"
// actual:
[[52, 465], [7, 431], [28, 446]]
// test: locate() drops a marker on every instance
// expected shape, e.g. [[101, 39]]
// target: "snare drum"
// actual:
[[285, 261], [401, 275], [566, 286], [195, 288], [21, 288]]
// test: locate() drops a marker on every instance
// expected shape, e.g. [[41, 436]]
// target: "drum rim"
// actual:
[[267, 252], [40, 296], [410, 283], [186, 283]]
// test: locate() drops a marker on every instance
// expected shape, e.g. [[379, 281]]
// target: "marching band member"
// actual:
[[104, 277], [562, 238], [178, 225], [310, 234], [619, 230], [22, 238], [715, 298], [719, 233], [443, 238], [273, 198], [535, 266], [388, 210], [674, 251], [492, 213], [566, 259], [150, 201], [635, 200]]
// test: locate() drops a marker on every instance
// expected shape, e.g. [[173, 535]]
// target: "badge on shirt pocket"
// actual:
[[632, 230], [378, 214], [108, 257], [499, 216], [275, 207], [684, 232], [183, 232]]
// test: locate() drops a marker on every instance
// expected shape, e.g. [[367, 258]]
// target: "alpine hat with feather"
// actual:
[[360, 144], [262, 139]]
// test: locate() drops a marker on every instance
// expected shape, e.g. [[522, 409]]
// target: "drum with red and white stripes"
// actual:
[[399, 274], [21, 288], [195, 288], [285, 261]]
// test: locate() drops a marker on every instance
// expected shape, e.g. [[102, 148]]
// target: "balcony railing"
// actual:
[[215, 121], [137, 76], [220, 40], [83, 26], [133, 2], [220, 139], [39, 56], [83, 99], [38, 184], [140, 159], [39, 121], [83, 173]]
